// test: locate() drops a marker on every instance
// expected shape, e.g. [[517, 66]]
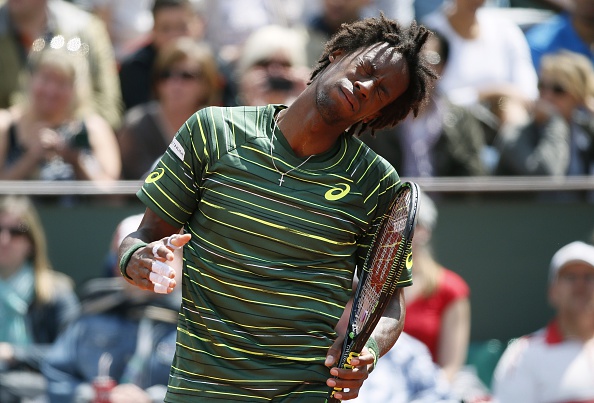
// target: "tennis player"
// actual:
[[275, 207]]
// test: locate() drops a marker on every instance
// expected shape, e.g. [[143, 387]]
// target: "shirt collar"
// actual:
[[553, 333]]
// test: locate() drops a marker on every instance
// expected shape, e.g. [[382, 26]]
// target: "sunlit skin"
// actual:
[[354, 87]]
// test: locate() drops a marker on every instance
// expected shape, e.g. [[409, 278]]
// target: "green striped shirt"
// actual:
[[268, 270]]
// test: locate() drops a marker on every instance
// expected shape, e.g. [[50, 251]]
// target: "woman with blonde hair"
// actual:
[[185, 79], [36, 302], [559, 137], [53, 133]]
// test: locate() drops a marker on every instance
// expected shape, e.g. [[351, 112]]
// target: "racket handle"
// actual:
[[347, 365]]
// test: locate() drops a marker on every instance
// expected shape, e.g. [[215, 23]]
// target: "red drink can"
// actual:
[[103, 385]]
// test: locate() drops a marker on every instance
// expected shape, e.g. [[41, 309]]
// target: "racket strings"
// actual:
[[385, 260], [384, 252]]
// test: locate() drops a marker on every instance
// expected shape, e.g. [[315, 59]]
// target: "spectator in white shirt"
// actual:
[[556, 363]]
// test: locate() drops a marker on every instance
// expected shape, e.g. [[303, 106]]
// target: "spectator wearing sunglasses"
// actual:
[[185, 79], [36, 302], [172, 19], [559, 137]]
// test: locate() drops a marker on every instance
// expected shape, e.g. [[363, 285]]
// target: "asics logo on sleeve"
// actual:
[[409, 261], [155, 175], [338, 192]]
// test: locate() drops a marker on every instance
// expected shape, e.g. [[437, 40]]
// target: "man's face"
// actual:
[[572, 292], [172, 23], [357, 86]]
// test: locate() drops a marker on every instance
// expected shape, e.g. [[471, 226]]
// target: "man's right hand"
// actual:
[[148, 268]]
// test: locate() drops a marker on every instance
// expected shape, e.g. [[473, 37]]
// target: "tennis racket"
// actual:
[[389, 253]]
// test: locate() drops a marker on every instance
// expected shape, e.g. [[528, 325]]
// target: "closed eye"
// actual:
[[371, 69]]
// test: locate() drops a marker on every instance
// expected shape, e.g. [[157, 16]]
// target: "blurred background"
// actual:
[[93, 91]]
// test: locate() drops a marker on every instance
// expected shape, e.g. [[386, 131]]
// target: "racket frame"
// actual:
[[354, 342]]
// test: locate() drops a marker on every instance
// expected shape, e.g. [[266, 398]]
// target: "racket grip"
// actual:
[[346, 365]]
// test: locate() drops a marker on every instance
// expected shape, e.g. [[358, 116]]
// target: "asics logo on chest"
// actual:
[[338, 192]]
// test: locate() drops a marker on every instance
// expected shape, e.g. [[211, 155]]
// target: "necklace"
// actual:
[[282, 174]]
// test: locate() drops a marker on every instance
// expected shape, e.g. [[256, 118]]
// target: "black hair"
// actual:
[[408, 41], [158, 5]]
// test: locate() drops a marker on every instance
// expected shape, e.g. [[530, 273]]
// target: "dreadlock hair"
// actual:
[[408, 41]]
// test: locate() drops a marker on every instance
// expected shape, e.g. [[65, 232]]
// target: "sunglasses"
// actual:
[[269, 62], [555, 88], [15, 232], [180, 74]]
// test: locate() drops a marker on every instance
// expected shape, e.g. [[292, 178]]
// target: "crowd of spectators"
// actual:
[[498, 98], [96, 90]]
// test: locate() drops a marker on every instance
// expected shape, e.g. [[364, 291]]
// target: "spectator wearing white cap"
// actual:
[[556, 363]]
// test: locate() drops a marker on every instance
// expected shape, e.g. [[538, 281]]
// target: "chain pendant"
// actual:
[[282, 174]]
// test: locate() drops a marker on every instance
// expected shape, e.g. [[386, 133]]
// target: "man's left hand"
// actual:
[[349, 380]]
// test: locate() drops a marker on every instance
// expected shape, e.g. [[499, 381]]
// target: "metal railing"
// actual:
[[441, 184]]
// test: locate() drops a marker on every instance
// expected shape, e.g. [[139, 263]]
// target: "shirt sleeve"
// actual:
[[172, 190]]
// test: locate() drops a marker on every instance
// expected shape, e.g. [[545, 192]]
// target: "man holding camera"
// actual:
[[272, 67]]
